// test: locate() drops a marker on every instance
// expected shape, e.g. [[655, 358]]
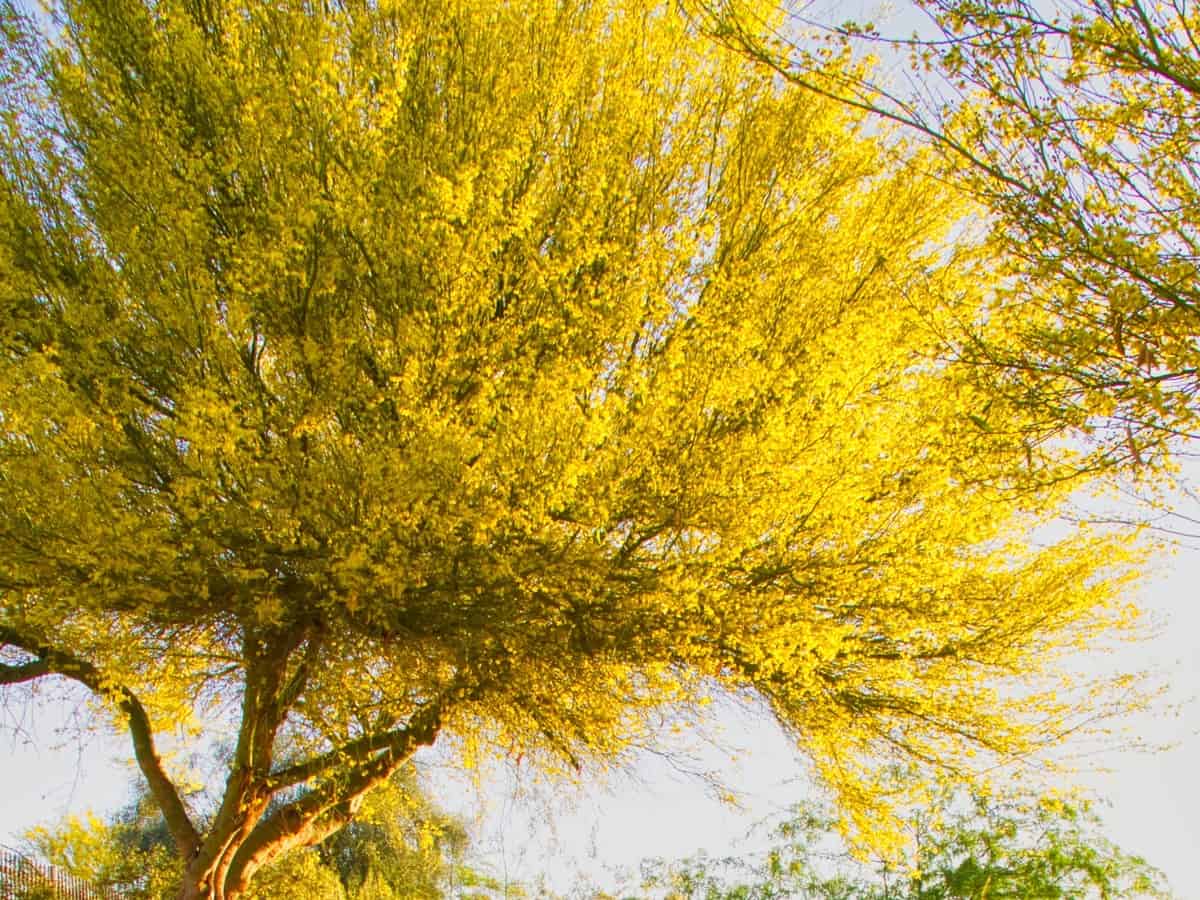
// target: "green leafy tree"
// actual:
[[987, 848], [401, 845], [131, 853], [382, 372]]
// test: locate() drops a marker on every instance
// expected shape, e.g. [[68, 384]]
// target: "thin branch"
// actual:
[[18, 674]]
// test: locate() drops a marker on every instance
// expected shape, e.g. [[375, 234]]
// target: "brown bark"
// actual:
[[246, 843], [242, 841]]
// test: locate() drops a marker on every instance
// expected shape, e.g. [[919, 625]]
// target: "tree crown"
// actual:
[[392, 368]]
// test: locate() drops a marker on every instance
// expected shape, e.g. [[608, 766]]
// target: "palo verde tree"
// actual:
[[1073, 123], [381, 371]]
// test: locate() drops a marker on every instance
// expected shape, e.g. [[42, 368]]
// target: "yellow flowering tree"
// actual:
[[1073, 123], [375, 372]]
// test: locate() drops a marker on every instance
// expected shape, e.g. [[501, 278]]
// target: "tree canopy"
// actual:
[[375, 372], [1072, 121]]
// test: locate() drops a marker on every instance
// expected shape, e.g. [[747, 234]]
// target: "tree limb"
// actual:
[[356, 750], [57, 662], [18, 674], [296, 824]]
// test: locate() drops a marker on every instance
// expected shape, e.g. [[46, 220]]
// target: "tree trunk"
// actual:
[[202, 886], [212, 882]]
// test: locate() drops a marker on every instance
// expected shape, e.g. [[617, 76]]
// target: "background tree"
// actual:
[[1072, 122], [961, 849], [401, 845], [131, 853], [375, 372]]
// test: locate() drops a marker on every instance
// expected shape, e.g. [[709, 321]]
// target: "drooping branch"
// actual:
[[856, 93], [57, 662]]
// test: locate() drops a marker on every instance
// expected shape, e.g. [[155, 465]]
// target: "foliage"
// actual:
[[1073, 122], [130, 854], [381, 371], [1045, 849], [300, 876], [37, 892], [399, 846], [1086, 110], [136, 858]]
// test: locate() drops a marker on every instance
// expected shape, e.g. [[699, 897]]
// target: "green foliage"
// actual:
[[1045, 849], [301, 876], [129, 854], [401, 846]]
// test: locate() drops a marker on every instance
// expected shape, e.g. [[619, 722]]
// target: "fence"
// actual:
[[21, 878]]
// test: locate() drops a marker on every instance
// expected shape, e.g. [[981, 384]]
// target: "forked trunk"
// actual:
[[202, 882], [202, 888], [211, 882]]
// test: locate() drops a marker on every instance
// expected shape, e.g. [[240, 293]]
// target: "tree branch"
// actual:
[[728, 30], [296, 824], [352, 751], [18, 674], [295, 685], [57, 662]]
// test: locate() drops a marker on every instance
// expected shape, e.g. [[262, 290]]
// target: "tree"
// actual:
[[399, 846], [382, 372], [131, 853], [984, 847], [1072, 122]]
